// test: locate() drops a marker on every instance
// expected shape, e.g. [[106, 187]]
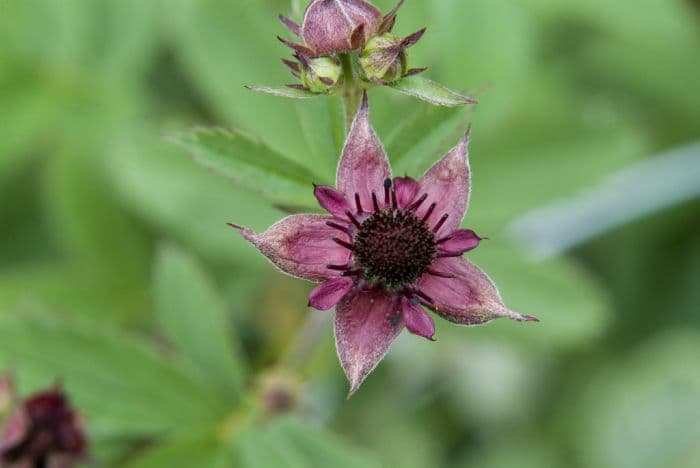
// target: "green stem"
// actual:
[[352, 92]]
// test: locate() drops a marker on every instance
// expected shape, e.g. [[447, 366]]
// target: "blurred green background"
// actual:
[[182, 346]]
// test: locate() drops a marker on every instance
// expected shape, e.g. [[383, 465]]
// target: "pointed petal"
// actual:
[[296, 47], [447, 184], [332, 201], [389, 19], [326, 295], [364, 331], [300, 245], [410, 40], [15, 431], [406, 190], [417, 320], [291, 25], [469, 298], [460, 241], [363, 167]]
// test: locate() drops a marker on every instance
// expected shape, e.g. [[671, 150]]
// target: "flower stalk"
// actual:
[[352, 92]]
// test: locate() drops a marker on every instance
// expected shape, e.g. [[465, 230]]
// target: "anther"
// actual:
[[358, 204], [427, 214], [439, 274], [374, 202], [416, 204], [337, 226], [342, 243], [353, 219], [337, 267], [441, 222]]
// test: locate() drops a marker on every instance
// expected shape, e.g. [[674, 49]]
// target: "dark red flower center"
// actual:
[[394, 247]]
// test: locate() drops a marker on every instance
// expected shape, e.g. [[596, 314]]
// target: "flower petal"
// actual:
[[300, 245], [469, 297], [447, 184], [16, 429], [326, 295], [460, 241], [363, 167], [366, 324], [332, 201], [417, 320], [406, 190]]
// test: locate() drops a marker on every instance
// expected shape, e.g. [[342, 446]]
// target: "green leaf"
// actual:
[[193, 316], [430, 91], [249, 163], [121, 385], [324, 449], [268, 449], [284, 91], [323, 128], [202, 450]]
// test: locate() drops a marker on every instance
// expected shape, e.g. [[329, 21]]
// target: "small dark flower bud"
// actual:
[[43, 431]]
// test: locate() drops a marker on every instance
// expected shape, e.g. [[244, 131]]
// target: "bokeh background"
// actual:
[[182, 347]]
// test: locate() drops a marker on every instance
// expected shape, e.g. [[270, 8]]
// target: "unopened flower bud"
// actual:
[[319, 75], [43, 431], [384, 57]]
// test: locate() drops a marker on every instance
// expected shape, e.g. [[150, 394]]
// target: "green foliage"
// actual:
[[119, 277]]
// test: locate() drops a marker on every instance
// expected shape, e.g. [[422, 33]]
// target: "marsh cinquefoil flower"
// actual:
[[43, 431], [390, 247]]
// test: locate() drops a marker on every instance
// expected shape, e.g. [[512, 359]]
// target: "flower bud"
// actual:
[[43, 431], [319, 75], [384, 58], [338, 25]]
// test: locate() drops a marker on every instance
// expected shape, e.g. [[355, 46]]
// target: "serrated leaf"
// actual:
[[268, 449], [284, 91], [192, 314], [430, 91], [248, 163], [121, 384]]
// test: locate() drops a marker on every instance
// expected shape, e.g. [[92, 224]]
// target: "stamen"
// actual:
[[423, 295], [358, 204], [342, 243], [448, 254], [374, 202], [441, 222], [337, 267], [427, 214], [416, 204], [387, 186], [337, 226], [353, 219], [355, 272], [394, 203], [439, 274], [443, 240]]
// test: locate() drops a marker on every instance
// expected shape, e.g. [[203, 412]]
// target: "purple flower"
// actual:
[[390, 247], [43, 431]]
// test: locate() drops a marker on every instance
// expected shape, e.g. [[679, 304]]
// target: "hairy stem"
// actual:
[[352, 92]]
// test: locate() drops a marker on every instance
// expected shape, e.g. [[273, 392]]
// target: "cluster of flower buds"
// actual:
[[349, 44], [41, 431]]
